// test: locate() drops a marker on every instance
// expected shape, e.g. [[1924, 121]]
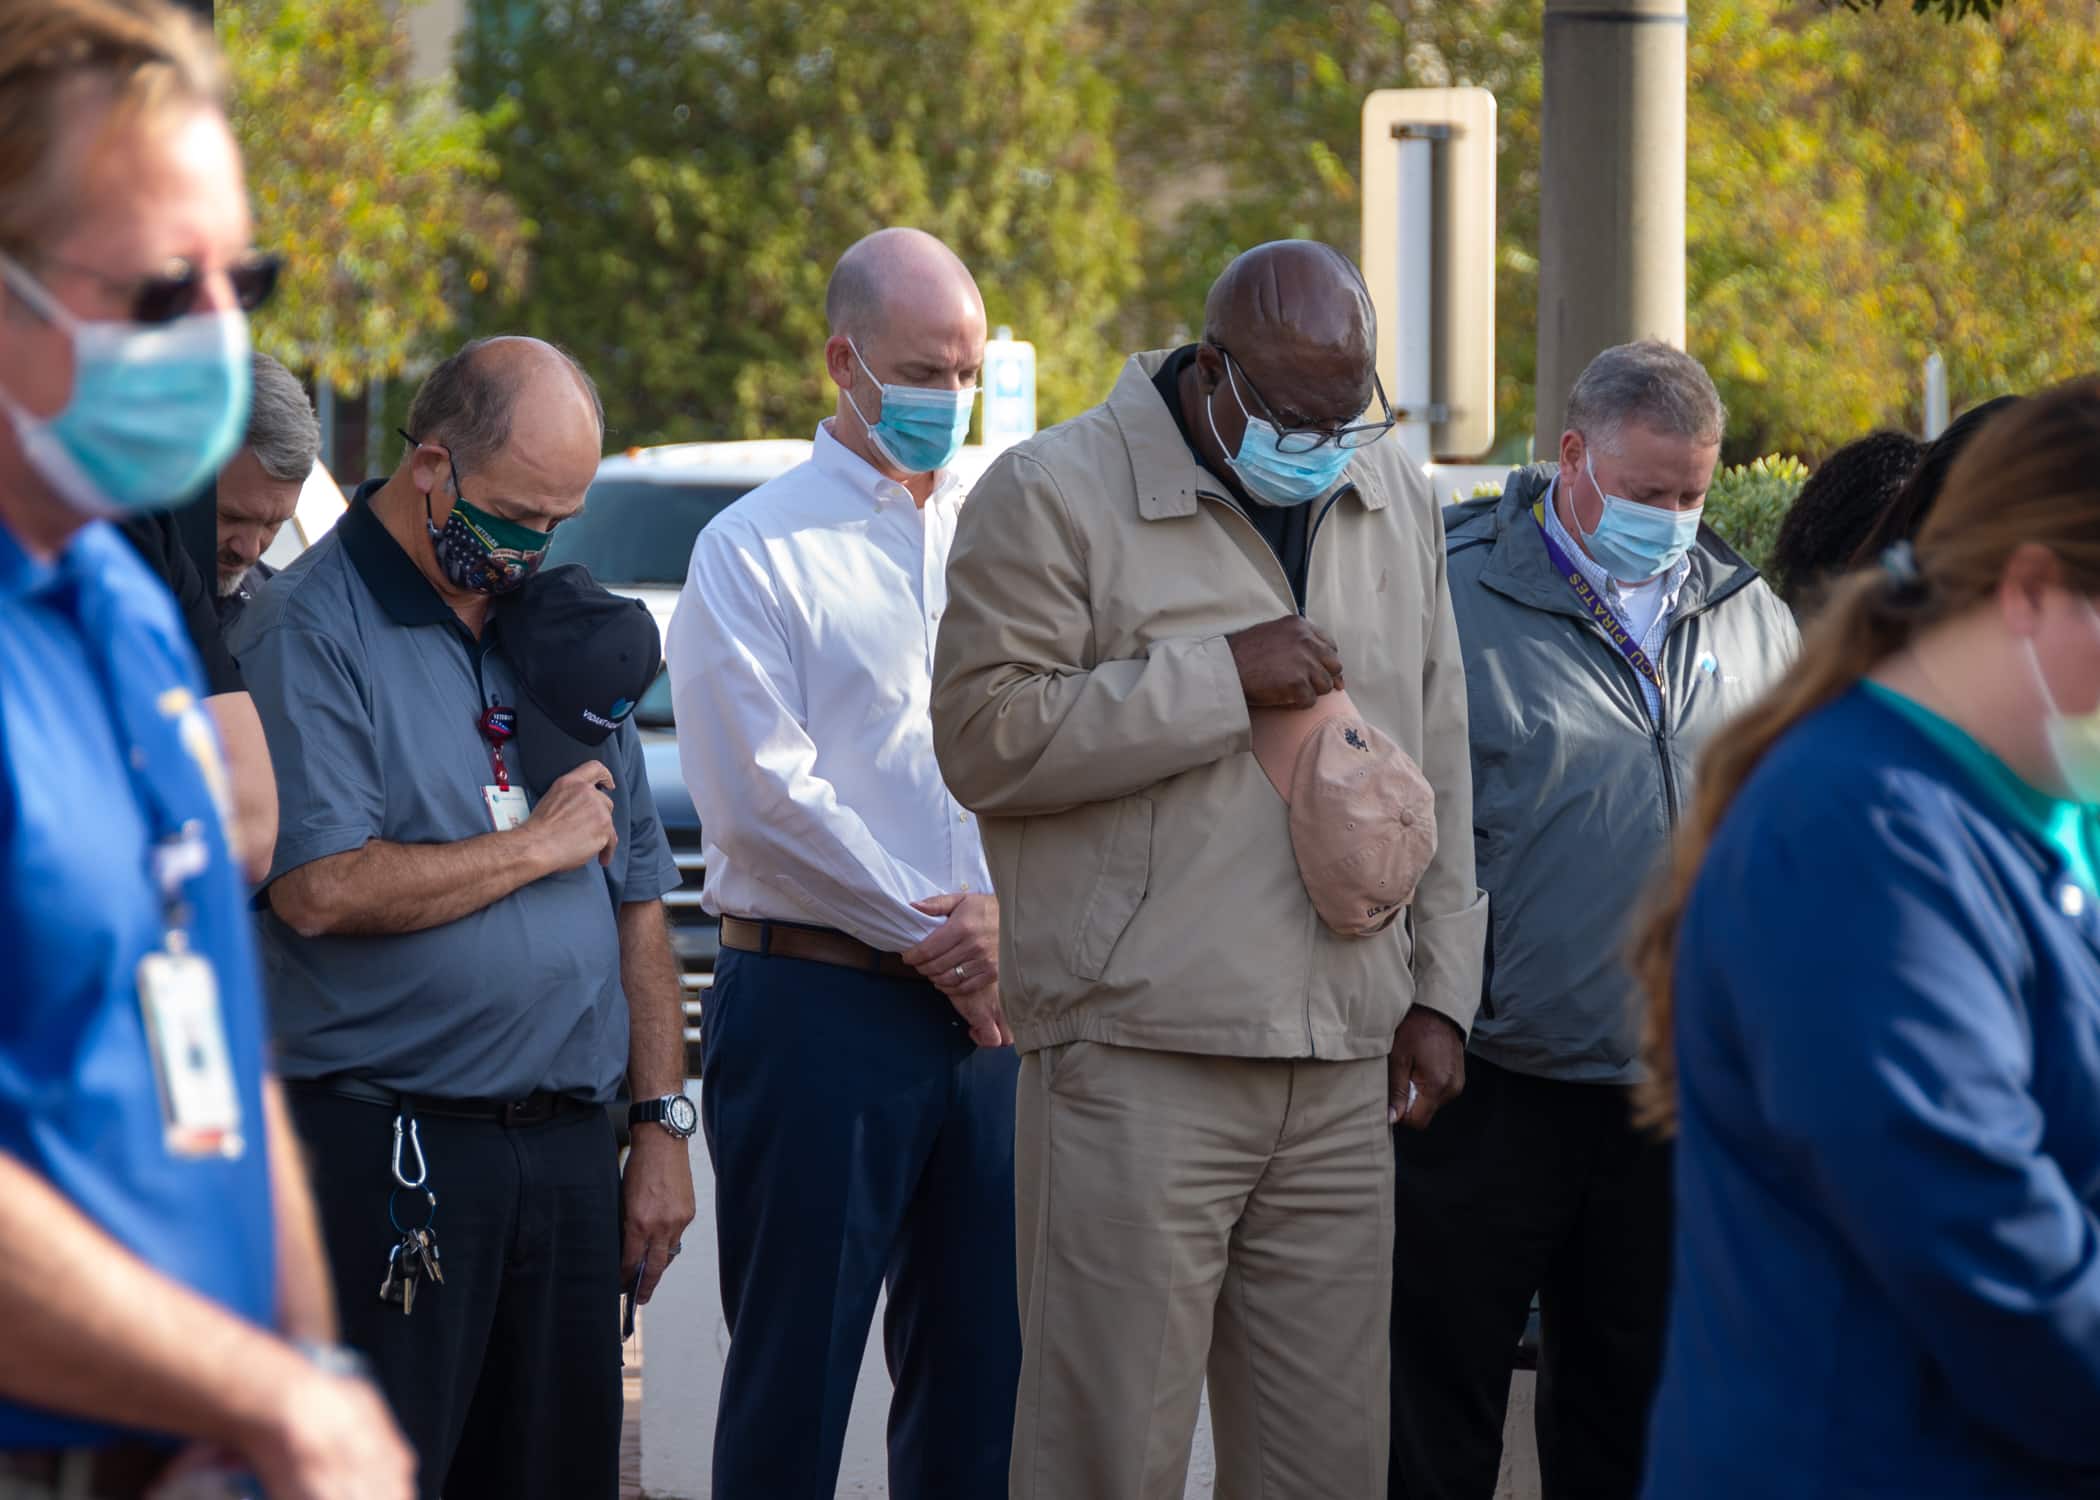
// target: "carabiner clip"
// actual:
[[415, 1139]]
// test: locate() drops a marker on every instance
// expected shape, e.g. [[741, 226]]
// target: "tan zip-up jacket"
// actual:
[[1086, 706]]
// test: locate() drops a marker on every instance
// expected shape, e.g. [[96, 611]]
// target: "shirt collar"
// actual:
[[841, 464], [395, 581], [1672, 581], [83, 561]]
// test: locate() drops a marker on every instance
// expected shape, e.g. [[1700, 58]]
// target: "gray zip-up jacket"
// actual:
[[1576, 790]]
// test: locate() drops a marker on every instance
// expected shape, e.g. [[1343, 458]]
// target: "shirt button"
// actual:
[[962, 817], [2072, 899], [966, 887], [138, 758]]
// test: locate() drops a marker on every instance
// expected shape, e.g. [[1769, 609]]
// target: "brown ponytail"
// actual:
[[2033, 475]]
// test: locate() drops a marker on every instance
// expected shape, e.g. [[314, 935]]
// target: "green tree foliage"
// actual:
[[692, 171], [375, 189], [1864, 191], [1221, 158]]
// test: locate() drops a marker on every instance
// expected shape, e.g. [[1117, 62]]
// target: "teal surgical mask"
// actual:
[[921, 429], [1636, 542], [2074, 739], [1278, 480], [156, 408]]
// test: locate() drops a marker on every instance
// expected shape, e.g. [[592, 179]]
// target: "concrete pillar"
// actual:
[[1611, 219]]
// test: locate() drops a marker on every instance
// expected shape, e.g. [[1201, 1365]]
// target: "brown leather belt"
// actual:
[[817, 945], [121, 1471]]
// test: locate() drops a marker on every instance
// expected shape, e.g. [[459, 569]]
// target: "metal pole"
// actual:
[[1414, 245], [1935, 396], [1611, 226]]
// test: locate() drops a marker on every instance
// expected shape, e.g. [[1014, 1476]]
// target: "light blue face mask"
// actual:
[[1637, 542], [1279, 480], [921, 429], [156, 407]]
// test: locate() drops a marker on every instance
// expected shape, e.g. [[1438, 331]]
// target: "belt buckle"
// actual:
[[525, 1111]]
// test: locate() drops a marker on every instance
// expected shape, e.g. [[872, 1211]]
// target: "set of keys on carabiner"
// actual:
[[414, 1257]]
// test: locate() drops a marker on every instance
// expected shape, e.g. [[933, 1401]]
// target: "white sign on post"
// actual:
[[1009, 390]]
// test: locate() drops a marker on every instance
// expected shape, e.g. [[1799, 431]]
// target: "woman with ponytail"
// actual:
[[1873, 983]]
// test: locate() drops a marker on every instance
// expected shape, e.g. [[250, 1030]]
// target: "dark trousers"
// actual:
[[1527, 1185], [506, 1378], [860, 1141]]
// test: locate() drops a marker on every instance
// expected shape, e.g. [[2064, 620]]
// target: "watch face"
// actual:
[[682, 1116]]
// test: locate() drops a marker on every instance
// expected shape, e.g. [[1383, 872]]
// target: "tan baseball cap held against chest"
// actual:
[[1362, 815]]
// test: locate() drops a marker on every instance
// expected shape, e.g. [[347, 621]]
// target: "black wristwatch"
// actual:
[[674, 1112]]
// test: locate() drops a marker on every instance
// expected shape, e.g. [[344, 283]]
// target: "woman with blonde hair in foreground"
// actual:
[[1874, 986]]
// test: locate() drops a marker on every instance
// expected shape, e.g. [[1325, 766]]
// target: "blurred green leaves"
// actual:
[[691, 172], [375, 189]]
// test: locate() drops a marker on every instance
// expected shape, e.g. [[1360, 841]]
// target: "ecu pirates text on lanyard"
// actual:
[[1618, 634]]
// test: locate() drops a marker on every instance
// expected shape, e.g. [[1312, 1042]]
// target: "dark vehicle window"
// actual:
[[654, 711], [633, 532]]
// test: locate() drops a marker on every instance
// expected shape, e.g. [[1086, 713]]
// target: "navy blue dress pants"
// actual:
[[860, 1142]]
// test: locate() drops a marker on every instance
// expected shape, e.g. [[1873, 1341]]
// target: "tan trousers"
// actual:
[[1179, 1214]]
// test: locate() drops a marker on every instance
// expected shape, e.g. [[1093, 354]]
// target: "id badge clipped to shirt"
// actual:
[[506, 806], [200, 1106]]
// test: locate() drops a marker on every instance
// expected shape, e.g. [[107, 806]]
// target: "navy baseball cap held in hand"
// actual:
[[584, 656]]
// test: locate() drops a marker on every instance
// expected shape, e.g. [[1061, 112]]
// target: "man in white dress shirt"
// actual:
[[858, 1075]]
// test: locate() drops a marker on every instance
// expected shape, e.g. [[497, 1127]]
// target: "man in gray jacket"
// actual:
[[1606, 637]]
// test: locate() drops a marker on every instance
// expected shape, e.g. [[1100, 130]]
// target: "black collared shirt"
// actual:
[[1286, 528]]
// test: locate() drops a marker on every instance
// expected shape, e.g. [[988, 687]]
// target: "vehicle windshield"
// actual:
[[654, 711], [635, 533]]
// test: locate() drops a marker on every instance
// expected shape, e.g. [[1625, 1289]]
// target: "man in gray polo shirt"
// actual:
[[459, 975]]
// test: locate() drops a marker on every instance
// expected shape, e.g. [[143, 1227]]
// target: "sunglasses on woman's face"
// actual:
[[174, 292]]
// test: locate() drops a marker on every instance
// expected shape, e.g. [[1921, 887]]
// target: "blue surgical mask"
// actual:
[[1637, 542], [1279, 480], [921, 429], [156, 407]]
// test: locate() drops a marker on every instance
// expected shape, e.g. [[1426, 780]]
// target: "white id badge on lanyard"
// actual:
[[200, 1106], [507, 807]]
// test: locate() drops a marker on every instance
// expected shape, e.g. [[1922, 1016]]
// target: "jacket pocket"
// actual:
[[1122, 868]]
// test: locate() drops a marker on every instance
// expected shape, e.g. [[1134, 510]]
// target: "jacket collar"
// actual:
[[1518, 567], [1169, 480]]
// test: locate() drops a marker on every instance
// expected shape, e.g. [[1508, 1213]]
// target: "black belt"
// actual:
[[536, 1108]]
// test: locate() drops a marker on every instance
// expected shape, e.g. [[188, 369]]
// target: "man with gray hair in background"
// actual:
[[259, 488], [1607, 635]]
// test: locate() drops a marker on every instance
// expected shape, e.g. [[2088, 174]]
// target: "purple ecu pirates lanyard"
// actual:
[[1599, 610]]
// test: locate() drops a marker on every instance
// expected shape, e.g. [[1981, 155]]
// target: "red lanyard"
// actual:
[[497, 725]]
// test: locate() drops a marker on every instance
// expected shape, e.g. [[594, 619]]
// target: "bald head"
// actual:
[[1295, 293], [474, 401], [519, 424], [893, 276]]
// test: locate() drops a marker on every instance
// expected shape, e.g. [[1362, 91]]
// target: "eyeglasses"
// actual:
[[1304, 439], [171, 294]]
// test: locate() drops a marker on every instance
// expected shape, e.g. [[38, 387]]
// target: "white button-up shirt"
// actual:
[[801, 661], [1643, 608]]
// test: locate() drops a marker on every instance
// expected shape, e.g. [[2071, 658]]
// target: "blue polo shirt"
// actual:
[[101, 743]]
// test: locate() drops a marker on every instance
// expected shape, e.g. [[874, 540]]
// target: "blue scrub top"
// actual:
[[96, 680], [1887, 1278]]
